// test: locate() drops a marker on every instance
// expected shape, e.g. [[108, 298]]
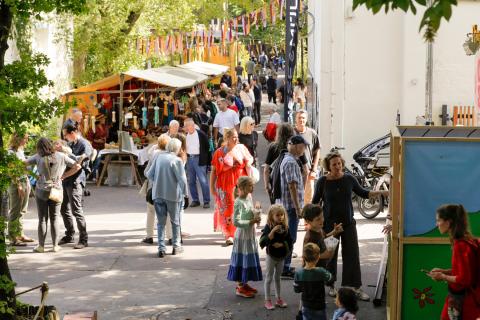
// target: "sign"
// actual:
[[291, 22]]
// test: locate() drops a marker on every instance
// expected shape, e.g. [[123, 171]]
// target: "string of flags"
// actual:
[[226, 31]]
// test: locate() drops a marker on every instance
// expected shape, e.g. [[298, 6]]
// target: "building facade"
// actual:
[[367, 67]]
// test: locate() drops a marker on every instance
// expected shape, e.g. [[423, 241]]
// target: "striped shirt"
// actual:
[[290, 172]]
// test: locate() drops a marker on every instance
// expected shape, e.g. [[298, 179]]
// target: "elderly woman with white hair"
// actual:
[[160, 147], [173, 127], [169, 186]]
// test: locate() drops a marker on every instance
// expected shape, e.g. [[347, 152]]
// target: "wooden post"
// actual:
[[455, 116], [120, 105]]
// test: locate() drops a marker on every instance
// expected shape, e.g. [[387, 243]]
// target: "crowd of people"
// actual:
[[216, 149]]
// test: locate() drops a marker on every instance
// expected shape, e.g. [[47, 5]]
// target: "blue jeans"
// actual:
[[194, 172], [313, 314], [292, 228], [172, 208]]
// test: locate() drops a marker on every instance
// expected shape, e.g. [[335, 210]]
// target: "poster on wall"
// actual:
[[291, 22]]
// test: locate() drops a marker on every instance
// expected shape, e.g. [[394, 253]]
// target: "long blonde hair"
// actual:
[[245, 125], [274, 209]]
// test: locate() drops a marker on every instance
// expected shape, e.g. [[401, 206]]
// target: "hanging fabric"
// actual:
[[157, 46], [156, 115], [244, 26], [264, 15], [273, 13], [144, 117]]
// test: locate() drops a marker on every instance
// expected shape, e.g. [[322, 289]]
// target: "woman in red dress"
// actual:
[[229, 163], [464, 277]]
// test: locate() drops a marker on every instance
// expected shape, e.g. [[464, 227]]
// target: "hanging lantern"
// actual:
[[135, 123], [92, 121], [156, 118], [144, 117]]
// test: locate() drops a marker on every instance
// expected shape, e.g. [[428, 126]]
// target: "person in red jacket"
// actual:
[[464, 278]]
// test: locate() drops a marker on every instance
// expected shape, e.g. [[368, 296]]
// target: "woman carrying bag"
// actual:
[[48, 192]]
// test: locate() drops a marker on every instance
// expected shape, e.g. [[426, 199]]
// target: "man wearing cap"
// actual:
[[312, 151], [225, 118], [292, 192]]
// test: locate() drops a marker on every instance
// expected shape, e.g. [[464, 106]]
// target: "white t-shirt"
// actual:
[[299, 93], [226, 119], [193, 143], [247, 99]]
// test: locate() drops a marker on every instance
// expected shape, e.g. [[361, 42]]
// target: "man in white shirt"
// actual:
[[198, 158], [225, 118]]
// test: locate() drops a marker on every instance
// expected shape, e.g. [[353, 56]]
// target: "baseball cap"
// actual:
[[298, 139]]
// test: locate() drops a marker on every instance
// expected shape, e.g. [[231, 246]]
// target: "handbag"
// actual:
[[254, 174], [149, 196], [270, 131], [56, 193]]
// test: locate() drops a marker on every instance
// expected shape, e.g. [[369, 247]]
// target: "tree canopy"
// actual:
[[435, 11], [21, 104], [105, 32]]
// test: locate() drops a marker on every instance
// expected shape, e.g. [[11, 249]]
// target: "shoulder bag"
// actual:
[[56, 193]]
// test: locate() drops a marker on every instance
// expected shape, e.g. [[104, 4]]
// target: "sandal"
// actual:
[[25, 239], [17, 243]]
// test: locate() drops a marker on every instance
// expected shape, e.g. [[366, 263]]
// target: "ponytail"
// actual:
[[458, 217]]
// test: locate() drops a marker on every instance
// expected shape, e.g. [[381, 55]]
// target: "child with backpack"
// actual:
[[276, 238]]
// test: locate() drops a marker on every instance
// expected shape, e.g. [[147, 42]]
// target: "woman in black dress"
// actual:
[[335, 189]]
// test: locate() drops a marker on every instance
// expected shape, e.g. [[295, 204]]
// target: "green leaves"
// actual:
[[432, 17]]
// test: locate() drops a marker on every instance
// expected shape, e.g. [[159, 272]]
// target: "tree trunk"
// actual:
[[8, 296], [5, 26]]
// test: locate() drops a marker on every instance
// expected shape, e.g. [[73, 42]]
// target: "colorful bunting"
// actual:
[[204, 40]]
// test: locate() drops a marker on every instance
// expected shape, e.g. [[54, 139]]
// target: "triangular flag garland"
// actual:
[[203, 41]]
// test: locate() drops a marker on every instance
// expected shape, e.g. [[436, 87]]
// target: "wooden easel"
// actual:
[[123, 158]]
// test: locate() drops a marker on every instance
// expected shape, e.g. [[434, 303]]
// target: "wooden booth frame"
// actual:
[[398, 240]]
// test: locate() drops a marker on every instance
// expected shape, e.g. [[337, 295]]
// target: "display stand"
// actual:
[[124, 158], [432, 166]]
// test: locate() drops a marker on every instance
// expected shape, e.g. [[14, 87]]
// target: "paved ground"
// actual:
[[123, 279]]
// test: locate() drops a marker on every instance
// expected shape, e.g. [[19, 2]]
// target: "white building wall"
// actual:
[[374, 65], [45, 39]]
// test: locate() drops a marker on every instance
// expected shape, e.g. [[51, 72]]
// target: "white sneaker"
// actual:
[[56, 248], [39, 249], [332, 292], [362, 295]]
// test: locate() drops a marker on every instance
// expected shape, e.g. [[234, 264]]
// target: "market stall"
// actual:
[[139, 102], [209, 69]]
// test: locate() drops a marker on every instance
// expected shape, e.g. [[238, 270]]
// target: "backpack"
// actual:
[[275, 177], [475, 287], [239, 104]]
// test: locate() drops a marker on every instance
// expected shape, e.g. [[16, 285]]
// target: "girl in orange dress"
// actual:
[[229, 162]]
